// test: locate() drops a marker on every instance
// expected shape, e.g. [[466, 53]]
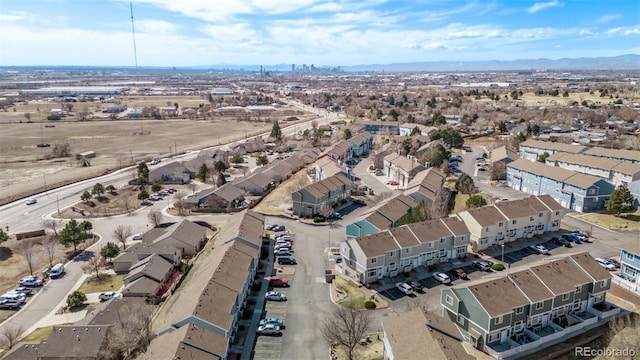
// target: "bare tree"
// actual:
[[51, 244], [10, 335], [192, 187], [121, 233], [131, 332], [126, 204], [52, 224], [155, 216], [93, 265], [27, 248], [440, 205], [347, 327]]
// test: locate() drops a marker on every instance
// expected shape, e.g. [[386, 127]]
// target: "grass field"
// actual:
[[461, 201], [117, 143], [280, 199], [623, 222], [38, 334], [372, 350], [354, 298], [106, 283]]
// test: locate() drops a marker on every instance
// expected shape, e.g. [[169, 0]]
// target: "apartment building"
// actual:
[[310, 200], [532, 149]]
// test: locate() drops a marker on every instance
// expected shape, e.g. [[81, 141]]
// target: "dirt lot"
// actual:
[[116, 143], [280, 199]]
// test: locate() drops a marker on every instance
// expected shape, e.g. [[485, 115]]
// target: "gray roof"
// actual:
[[184, 231], [73, 342], [155, 267]]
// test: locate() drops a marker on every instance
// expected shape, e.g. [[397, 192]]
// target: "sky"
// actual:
[[185, 33]]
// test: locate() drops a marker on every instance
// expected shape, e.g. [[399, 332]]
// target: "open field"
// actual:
[[117, 143], [461, 201], [107, 282], [624, 222], [280, 199]]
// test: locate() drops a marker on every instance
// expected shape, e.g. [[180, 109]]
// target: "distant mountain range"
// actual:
[[616, 63]]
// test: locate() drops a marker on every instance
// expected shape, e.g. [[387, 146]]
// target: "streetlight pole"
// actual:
[[502, 252]]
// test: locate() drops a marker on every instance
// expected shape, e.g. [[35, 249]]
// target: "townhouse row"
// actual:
[[539, 306], [395, 250]]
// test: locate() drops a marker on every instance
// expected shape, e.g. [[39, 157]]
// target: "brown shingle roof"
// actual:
[[155, 267], [489, 290], [397, 207], [582, 181], [531, 286], [73, 342], [411, 338], [627, 168], [550, 202], [404, 236], [184, 231], [573, 149], [633, 246], [517, 208], [538, 168], [142, 285], [614, 153], [591, 267], [486, 215], [456, 225], [377, 244], [378, 221], [198, 340], [586, 160], [429, 230], [560, 276]]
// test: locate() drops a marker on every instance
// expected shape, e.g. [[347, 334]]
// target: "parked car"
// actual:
[[272, 227], [282, 252], [284, 237], [613, 262], [392, 182], [581, 236], [31, 201], [10, 304], [287, 260], [459, 273], [359, 202], [137, 236], [269, 329], [279, 228], [561, 241], [280, 244], [273, 321], [405, 288], [108, 295], [30, 281], [605, 264], [482, 265], [23, 290], [416, 286], [275, 296], [572, 238], [540, 249], [483, 168], [441, 277], [277, 281]]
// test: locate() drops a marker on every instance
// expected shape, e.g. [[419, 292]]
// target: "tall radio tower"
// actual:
[[133, 32]]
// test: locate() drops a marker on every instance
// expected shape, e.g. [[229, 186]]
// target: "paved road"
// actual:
[[20, 217]]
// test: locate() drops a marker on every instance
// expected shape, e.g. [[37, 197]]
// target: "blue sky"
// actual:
[[320, 32]]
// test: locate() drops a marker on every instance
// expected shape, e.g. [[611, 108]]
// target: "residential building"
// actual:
[[378, 158], [406, 129], [427, 185], [361, 143], [205, 324], [417, 334], [504, 154], [540, 306], [147, 277], [326, 167], [255, 184], [74, 342], [575, 191], [532, 149], [398, 250], [507, 221], [630, 156], [185, 235], [614, 171], [385, 215], [312, 199], [401, 169], [341, 151], [630, 262], [134, 253], [170, 173], [227, 196]]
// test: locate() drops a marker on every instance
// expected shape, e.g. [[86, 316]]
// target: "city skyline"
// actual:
[[324, 33]]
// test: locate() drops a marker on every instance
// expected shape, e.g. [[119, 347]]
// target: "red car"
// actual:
[[392, 182], [277, 281], [460, 273]]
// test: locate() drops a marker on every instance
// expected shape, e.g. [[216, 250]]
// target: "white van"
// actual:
[[13, 297], [57, 271], [405, 288]]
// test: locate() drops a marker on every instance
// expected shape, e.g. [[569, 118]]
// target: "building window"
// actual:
[[460, 319], [512, 233], [494, 337], [539, 305], [498, 320], [391, 253], [557, 213], [519, 310], [531, 218], [484, 240], [449, 300], [578, 289], [629, 256], [393, 267], [443, 252], [565, 297], [500, 224], [513, 222], [540, 215], [500, 236], [430, 244], [592, 191], [604, 283], [487, 229], [442, 240], [540, 227], [555, 223], [371, 273], [576, 305], [407, 250]]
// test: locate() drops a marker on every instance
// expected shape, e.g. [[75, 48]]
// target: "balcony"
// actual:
[[603, 310]]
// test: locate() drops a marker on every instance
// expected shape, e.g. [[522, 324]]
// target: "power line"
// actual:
[[133, 32]]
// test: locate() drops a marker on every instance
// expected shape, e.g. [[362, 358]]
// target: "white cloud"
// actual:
[[607, 18], [16, 16], [624, 30], [157, 27], [230, 34], [543, 5]]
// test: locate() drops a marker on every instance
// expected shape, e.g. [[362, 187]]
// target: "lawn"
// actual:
[[106, 283], [623, 223], [38, 334], [372, 350], [461, 201], [354, 298]]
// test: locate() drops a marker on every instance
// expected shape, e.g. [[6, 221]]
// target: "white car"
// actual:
[[405, 288], [269, 329], [275, 296], [31, 201], [282, 252], [137, 236], [108, 295], [540, 249], [442, 277], [605, 264], [30, 281]]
